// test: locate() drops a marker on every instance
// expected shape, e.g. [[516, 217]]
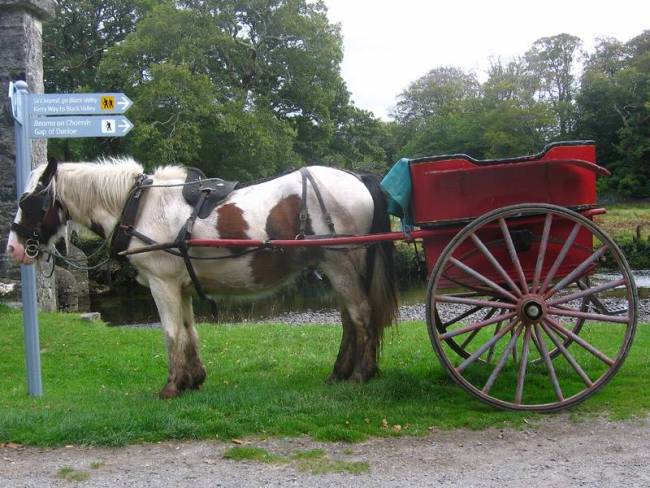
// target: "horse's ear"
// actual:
[[49, 172]]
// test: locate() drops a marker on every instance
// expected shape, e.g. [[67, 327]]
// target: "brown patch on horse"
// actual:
[[282, 222], [232, 225], [269, 267], [51, 222]]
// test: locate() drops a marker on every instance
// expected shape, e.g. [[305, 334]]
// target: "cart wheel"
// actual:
[[458, 343], [542, 274]]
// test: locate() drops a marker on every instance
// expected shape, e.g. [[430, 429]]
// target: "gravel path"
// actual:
[[406, 313], [557, 452]]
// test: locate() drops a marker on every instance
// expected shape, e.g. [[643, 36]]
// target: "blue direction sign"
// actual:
[[92, 126], [79, 103]]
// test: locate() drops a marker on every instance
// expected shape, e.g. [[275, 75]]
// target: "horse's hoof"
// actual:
[[169, 391], [198, 378]]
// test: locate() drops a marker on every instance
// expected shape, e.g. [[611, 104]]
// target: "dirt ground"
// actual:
[[555, 452]]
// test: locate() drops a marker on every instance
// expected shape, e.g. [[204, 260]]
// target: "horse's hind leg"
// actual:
[[359, 347], [195, 368], [347, 352], [169, 303]]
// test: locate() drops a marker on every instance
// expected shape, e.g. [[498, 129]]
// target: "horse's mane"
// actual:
[[104, 183]]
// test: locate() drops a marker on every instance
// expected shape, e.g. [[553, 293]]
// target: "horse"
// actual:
[[94, 195]]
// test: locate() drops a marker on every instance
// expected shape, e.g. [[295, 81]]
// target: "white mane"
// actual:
[[104, 183]]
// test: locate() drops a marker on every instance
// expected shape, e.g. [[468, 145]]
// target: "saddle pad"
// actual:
[[218, 190]]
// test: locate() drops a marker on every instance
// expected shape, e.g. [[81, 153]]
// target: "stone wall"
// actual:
[[21, 57]]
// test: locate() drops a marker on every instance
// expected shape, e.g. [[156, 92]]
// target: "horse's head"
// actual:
[[40, 217]]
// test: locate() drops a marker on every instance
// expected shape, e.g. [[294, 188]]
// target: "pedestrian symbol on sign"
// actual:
[[108, 126], [107, 103]]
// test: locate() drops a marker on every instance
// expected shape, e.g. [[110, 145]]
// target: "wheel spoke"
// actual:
[[501, 291], [588, 291], [477, 325], [485, 346], [549, 363], [476, 331], [502, 360], [576, 272], [571, 360], [579, 340], [598, 304], [463, 315], [490, 354], [490, 257], [473, 301], [521, 374], [562, 312], [542, 251], [560, 258], [513, 254]]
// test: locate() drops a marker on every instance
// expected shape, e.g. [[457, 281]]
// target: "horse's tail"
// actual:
[[380, 266]]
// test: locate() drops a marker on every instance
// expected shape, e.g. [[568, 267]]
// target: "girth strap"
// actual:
[[303, 217], [181, 244]]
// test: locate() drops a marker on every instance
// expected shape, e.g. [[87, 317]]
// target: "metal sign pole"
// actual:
[[55, 115], [19, 99]]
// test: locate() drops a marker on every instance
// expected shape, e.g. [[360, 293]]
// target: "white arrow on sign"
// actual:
[[124, 102], [125, 126]]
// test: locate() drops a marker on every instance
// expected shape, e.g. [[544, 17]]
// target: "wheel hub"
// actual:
[[531, 308]]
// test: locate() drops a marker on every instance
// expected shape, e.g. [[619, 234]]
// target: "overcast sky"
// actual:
[[390, 43]]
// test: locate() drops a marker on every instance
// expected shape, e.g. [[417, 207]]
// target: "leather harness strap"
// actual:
[[125, 230], [303, 217], [181, 244]]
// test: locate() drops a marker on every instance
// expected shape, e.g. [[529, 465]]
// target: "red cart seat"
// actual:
[[458, 187]]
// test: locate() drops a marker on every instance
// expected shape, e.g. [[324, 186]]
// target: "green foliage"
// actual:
[[239, 89], [245, 89], [614, 108], [637, 252]]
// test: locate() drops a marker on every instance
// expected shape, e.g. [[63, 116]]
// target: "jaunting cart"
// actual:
[[530, 305]]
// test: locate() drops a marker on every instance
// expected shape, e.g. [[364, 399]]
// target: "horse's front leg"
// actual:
[[193, 360], [170, 308]]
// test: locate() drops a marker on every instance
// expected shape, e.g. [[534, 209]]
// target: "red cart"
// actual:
[[530, 306]]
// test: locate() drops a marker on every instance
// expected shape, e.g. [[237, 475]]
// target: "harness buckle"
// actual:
[[31, 248]]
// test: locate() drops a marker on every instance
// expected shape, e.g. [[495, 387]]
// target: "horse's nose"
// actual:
[[17, 251]]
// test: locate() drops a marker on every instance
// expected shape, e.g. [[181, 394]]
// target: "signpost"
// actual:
[[44, 116]]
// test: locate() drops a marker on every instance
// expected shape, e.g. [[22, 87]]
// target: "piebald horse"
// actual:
[[94, 195]]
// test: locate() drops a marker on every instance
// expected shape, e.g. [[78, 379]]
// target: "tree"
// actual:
[[551, 60], [274, 67], [614, 108], [437, 93], [74, 44], [515, 122]]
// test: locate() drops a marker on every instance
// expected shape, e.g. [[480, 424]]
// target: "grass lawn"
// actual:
[[266, 380], [622, 219]]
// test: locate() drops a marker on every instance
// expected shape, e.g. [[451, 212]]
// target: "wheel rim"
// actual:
[[532, 325]]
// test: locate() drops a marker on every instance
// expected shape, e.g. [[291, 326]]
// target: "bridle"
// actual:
[[34, 208]]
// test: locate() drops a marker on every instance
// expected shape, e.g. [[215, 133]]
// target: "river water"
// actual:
[[135, 305]]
